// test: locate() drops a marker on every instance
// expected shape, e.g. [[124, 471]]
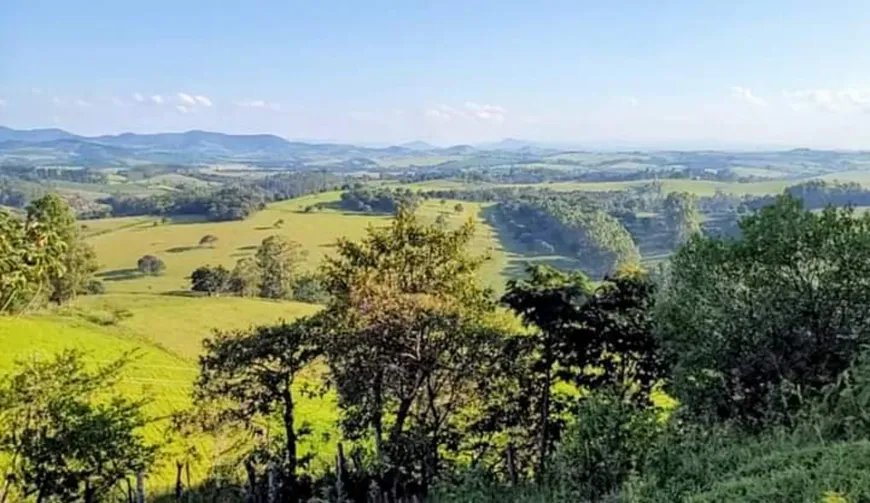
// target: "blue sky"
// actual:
[[634, 73]]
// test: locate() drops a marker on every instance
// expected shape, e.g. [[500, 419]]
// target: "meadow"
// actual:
[[120, 242]]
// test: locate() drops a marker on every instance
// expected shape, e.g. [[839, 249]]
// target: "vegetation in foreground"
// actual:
[[760, 339]]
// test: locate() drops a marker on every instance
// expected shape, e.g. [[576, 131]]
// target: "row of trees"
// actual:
[[43, 257], [378, 200], [274, 272], [596, 238], [234, 201]]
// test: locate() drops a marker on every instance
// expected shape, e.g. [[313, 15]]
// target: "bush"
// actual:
[[308, 288], [607, 442], [95, 287], [151, 265]]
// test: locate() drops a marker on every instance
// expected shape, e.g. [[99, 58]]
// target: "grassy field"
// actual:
[[165, 332], [120, 242]]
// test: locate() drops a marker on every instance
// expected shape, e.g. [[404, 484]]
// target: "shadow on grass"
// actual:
[[247, 248], [181, 249], [119, 275]]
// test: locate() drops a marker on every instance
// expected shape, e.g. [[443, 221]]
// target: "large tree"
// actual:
[[404, 326], [249, 377], [549, 300], [278, 261], [751, 323]]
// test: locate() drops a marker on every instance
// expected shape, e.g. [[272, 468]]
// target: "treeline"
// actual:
[[274, 272], [43, 258], [368, 199], [38, 174], [591, 235], [231, 202]]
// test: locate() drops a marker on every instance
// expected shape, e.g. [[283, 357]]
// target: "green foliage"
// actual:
[[379, 200], [404, 337], [42, 256], [247, 377], [208, 240], [278, 261], [681, 216], [65, 439], [151, 265], [603, 447], [309, 288], [212, 280], [245, 278], [785, 308]]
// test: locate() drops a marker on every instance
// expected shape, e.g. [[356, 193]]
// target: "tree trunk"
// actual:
[[512, 464], [252, 481], [178, 486], [140, 487], [290, 489], [545, 411]]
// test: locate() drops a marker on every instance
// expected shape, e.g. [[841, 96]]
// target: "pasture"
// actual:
[[120, 242]]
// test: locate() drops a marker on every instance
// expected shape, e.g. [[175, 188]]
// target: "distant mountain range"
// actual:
[[56, 146]]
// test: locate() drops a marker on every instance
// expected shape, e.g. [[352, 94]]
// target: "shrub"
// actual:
[[151, 265]]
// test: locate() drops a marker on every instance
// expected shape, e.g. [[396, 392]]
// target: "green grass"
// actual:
[[120, 242], [166, 333]]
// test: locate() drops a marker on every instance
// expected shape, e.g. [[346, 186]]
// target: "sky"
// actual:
[[631, 73]]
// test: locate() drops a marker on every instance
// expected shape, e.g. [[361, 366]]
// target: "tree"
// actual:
[[404, 328], [151, 265], [33, 252], [245, 278], [80, 264], [208, 240], [249, 377], [212, 280], [278, 223], [550, 301], [681, 215], [458, 208], [784, 308], [66, 440], [278, 260]]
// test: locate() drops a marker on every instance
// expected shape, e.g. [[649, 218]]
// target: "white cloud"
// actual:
[[203, 100], [58, 101], [37, 91], [116, 101], [441, 113], [157, 99], [469, 111], [187, 99], [492, 113], [138, 98], [271, 105], [745, 94], [82, 103], [3, 103], [183, 109], [830, 100]]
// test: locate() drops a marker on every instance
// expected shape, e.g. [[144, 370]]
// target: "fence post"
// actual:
[[340, 471], [140, 487], [512, 464]]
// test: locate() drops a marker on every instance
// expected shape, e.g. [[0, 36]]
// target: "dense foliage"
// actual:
[[65, 436], [42, 256], [378, 200]]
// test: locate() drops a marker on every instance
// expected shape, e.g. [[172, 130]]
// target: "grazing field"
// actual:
[[120, 242]]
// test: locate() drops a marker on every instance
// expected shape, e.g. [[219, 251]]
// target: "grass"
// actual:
[[120, 242], [166, 333]]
